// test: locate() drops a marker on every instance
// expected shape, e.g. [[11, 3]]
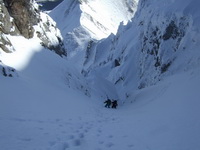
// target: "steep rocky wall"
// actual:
[[23, 18], [7, 26], [24, 14]]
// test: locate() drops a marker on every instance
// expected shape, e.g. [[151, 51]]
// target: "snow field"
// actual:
[[45, 107], [39, 111]]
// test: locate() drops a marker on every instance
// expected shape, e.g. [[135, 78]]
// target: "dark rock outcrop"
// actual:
[[7, 24], [24, 14], [22, 17], [7, 71]]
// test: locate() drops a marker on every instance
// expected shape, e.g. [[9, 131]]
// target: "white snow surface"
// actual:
[[98, 18], [41, 110], [49, 105], [144, 47], [83, 20]]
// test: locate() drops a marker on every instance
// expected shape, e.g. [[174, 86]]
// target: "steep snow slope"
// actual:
[[162, 40], [83, 20], [99, 18], [41, 108], [47, 104]]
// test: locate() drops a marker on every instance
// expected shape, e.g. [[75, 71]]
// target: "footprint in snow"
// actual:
[[63, 132], [18, 119], [71, 137], [99, 130], [101, 142], [60, 146], [109, 145], [81, 135], [58, 120], [110, 136], [77, 142], [52, 143], [86, 131], [40, 128], [25, 139], [131, 145]]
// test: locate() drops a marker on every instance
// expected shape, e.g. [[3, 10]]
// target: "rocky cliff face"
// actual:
[[7, 26], [24, 14], [23, 18]]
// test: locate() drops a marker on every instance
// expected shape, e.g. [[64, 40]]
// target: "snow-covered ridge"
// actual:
[[99, 18], [82, 21], [162, 40]]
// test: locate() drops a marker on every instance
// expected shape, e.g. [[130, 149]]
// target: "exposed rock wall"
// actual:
[[23, 18], [24, 14], [7, 26], [7, 71]]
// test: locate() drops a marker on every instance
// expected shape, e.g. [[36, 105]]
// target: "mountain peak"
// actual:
[[98, 18]]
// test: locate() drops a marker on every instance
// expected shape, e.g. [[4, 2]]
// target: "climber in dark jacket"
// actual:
[[108, 103], [114, 104]]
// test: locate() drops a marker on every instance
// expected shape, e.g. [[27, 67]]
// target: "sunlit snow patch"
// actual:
[[25, 50]]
